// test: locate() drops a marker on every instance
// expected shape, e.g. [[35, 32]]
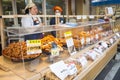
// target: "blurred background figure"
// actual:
[[59, 20], [31, 9]]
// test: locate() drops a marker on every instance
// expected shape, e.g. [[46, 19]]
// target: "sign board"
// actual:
[[70, 43], [33, 46]]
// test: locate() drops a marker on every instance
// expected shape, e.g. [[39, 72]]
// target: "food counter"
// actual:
[[39, 68]]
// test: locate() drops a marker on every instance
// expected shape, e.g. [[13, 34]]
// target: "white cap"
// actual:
[[29, 6]]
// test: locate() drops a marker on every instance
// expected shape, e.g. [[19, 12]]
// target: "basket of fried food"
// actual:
[[17, 52]]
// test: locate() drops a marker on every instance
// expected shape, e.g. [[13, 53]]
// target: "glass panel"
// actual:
[[7, 10]]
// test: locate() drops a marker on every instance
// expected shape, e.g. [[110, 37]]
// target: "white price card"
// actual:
[[60, 69], [33, 46], [109, 10], [115, 37], [111, 41], [84, 17], [82, 41], [88, 40], [101, 48], [96, 36], [70, 43], [92, 55], [118, 34], [55, 52], [78, 17], [104, 44], [72, 68], [98, 50], [91, 17], [83, 61], [94, 52]]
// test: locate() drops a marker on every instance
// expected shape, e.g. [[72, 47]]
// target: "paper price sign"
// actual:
[[91, 17], [60, 69], [96, 36], [84, 17], [70, 45], [104, 44], [68, 34], [115, 37], [111, 41], [71, 68], [55, 52], [92, 55], [118, 34], [83, 61], [78, 17], [33, 46], [88, 40], [97, 50], [82, 41]]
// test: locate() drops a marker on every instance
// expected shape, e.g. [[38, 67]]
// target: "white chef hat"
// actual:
[[29, 5]]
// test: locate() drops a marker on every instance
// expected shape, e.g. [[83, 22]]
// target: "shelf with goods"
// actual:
[[100, 62], [39, 67]]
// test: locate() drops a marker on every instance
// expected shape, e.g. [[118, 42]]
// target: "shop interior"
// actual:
[[85, 45]]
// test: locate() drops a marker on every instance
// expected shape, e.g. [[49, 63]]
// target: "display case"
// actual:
[[76, 50]]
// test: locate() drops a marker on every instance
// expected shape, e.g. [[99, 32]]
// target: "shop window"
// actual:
[[7, 10]]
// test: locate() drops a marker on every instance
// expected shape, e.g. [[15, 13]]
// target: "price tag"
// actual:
[[94, 52], [115, 37], [33, 46], [70, 43], [92, 55], [72, 68], [111, 41], [88, 40], [55, 52], [84, 17], [109, 10], [78, 17], [104, 44], [91, 17], [118, 34], [83, 61], [82, 41], [60, 69], [96, 36], [97, 50]]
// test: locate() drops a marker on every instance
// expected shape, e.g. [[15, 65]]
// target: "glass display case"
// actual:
[[33, 59]]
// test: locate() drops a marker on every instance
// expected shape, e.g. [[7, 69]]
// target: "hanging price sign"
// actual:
[[70, 43], [33, 46]]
